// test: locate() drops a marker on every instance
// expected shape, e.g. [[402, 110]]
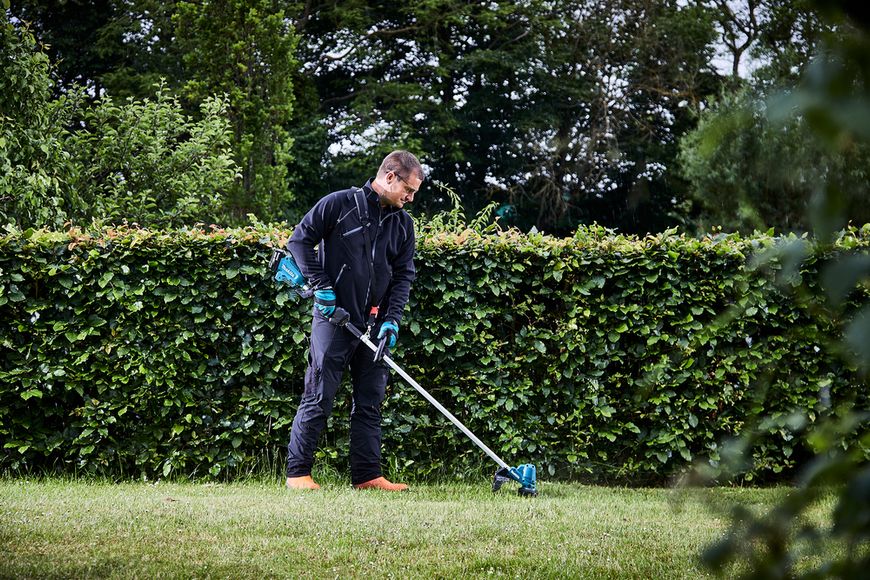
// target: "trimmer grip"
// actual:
[[382, 349], [341, 317]]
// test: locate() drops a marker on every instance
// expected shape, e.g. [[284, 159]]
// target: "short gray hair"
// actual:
[[402, 162]]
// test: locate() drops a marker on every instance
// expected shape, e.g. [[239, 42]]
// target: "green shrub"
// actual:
[[145, 161], [746, 172], [35, 170], [599, 356], [149, 163]]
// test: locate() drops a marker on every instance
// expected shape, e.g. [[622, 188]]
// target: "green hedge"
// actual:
[[600, 356]]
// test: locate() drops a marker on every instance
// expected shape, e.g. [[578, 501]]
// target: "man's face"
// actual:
[[400, 189]]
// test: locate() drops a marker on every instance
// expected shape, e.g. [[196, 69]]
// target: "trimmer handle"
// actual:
[[341, 317], [382, 349]]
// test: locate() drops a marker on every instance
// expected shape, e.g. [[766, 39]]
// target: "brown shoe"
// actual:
[[381, 483], [304, 482]]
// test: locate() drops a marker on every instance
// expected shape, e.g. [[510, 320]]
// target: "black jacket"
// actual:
[[334, 225]]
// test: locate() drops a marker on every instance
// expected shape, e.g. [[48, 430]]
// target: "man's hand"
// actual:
[[324, 300], [387, 336], [390, 332]]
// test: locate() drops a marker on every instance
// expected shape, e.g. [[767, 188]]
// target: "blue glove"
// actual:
[[390, 331], [324, 300]]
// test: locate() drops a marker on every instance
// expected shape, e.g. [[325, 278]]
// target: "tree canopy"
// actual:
[[558, 112]]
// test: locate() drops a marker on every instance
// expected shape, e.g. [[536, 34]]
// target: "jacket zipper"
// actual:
[[379, 221], [340, 272]]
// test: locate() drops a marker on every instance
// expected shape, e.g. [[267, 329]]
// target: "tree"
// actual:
[[747, 173], [75, 33], [401, 75], [522, 103], [245, 49], [119, 47], [622, 80], [240, 48], [35, 170], [65, 160], [768, 41], [147, 162]]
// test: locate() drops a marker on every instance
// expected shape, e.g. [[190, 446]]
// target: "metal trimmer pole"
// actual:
[[429, 397]]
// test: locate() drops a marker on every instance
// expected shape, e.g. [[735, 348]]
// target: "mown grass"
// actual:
[[56, 528]]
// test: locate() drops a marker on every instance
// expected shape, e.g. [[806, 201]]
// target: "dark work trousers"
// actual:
[[332, 350]]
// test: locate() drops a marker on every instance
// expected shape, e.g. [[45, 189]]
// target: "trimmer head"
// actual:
[[525, 475]]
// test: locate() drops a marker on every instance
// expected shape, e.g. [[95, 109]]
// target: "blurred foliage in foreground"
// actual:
[[833, 100]]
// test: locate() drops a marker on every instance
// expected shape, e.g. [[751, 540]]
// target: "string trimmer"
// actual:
[[285, 270]]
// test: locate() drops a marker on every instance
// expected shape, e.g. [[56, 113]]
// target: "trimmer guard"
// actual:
[[525, 475], [502, 476]]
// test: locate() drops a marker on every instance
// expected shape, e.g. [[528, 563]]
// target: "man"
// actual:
[[364, 264]]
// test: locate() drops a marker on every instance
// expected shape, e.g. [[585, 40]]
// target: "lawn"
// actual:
[[56, 528]]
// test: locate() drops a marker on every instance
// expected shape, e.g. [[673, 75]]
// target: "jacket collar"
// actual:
[[374, 198]]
